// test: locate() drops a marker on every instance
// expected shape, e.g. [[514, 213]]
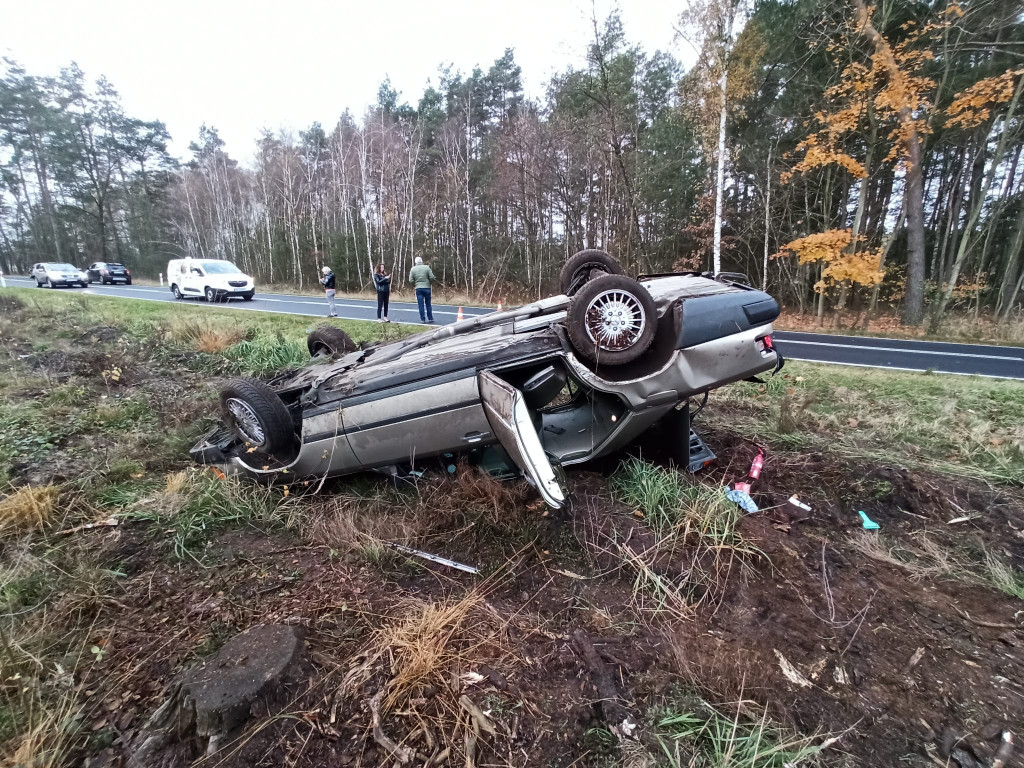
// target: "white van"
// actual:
[[214, 279]]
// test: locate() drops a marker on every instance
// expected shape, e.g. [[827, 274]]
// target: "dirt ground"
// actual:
[[889, 647]]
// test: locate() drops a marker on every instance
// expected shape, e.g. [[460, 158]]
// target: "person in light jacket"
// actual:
[[421, 276], [328, 282], [382, 281]]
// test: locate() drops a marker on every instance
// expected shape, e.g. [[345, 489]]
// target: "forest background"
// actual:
[[858, 158]]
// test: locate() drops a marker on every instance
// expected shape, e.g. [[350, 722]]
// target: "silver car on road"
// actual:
[[553, 383]]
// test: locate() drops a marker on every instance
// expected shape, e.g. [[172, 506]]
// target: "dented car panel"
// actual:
[[510, 381]]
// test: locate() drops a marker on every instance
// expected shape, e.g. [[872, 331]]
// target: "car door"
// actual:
[[191, 278], [412, 422], [93, 273], [510, 419]]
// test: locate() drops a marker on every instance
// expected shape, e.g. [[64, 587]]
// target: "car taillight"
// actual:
[[127, 271], [105, 272]]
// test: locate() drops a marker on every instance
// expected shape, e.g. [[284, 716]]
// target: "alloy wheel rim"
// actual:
[[246, 421], [615, 320]]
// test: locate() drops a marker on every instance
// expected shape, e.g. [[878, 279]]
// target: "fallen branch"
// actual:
[[403, 755], [480, 720], [989, 624]]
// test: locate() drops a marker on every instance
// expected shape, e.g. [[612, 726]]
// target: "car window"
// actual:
[[221, 268], [62, 267], [197, 271], [112, 264]]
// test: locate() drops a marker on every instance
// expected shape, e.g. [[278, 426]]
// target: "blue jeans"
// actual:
[[423, 299]]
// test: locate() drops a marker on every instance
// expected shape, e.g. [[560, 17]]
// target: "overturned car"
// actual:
[[528, 390]]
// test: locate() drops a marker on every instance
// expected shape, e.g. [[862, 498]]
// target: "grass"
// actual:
[[694, 734], [953, 424], [926, 557], [27, 508], [693, 522], [197, 503]]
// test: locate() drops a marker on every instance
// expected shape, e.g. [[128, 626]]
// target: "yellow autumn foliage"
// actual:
[[973, 105], [842, 263]]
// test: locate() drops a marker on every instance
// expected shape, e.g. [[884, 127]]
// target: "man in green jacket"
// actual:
[[421, 276]]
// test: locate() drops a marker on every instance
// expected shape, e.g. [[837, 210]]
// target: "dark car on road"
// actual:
[[553, 383], [104, 272]]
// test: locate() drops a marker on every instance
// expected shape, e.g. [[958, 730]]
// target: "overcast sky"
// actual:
[[242, 66]]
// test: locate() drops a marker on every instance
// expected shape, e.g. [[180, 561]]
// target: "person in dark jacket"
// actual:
[[328, 282], [382, 281]]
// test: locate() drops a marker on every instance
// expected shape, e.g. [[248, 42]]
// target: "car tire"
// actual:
[[176, 293], [211, 295], [248, 296], [329, 340], [258, 417], [84, 284], [580, 269], [128, 281], [612, 320], [38, 284], [51, 284]]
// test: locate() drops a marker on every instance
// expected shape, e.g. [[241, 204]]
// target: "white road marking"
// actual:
[[787, 342], [897, 368]]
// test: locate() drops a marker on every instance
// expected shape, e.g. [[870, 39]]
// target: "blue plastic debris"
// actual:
[[869, 524], [743, 499]]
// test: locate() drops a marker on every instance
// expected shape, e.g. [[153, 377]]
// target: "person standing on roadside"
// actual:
[[328, 282], [382, 281], [421, 276]]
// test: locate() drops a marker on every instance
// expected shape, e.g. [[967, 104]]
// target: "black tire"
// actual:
[[329, 340], [211, 295], [580, 269], [620, 344], [258, 417], [128, 281], [84, 284], [103, 281], [245, 296], [52, 284], [176, 293], [38, 284]]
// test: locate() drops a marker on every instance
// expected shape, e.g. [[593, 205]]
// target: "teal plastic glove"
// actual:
[[869, 524]]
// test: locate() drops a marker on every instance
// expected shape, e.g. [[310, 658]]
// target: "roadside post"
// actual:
[[3, 282], [161, 279]]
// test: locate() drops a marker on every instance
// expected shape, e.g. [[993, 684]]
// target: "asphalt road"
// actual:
[[894, 354]]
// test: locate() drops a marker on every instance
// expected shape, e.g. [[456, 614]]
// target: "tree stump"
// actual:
[[212, 700]]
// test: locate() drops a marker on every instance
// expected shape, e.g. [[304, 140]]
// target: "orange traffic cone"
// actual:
[[460, 317], [499, 306]]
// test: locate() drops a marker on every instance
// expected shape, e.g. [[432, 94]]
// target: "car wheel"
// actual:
[[38, 284], [211, 295], [176, 293], [612, 320], [583, 267], [128, 281], [50, 283], [328, 340], [84, 284], [248, 296], [258, 417]]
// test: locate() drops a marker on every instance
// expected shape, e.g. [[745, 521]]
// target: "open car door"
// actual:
[[510, 419]]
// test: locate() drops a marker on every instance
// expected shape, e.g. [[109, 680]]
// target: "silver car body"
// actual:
[[467, 386], [54, 274]]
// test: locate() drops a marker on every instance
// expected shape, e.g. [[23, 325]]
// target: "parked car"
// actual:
[[213, 279], [553, 383], [54, 274], [104, 272]]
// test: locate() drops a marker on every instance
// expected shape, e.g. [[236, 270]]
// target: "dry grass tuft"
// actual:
[[424, 646], [364, 527], [205, 337], [28, 508]]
